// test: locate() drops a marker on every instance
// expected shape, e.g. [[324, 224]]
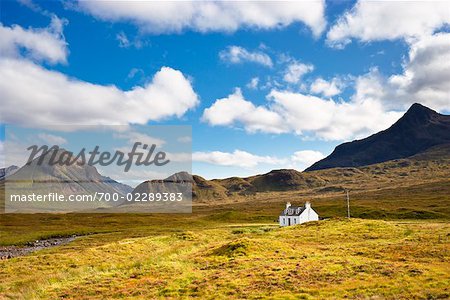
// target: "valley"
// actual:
[[395, 245]]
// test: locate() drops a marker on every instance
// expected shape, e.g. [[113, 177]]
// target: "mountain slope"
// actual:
[[202, 189], [45, 178], [419, 129], [5, 172], [66, 179]]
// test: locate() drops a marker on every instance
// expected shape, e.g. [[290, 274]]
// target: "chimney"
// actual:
[[288, 204], [307, 204]]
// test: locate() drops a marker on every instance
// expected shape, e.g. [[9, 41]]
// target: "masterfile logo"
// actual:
[[99, 169]]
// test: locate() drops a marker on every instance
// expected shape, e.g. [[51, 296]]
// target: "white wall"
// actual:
[[307, 215]]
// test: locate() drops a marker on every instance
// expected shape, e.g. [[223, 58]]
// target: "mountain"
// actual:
[[414, 187], [5, 172], [182, 182], [222, 189], [120, 187], [70, 179], [44, 178], [417, 130], [176, 183], [283, 180]]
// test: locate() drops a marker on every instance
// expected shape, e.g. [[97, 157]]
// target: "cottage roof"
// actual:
[[293, 211]]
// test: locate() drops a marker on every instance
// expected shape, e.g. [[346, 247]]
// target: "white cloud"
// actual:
[[426, 71], [253, 84], [236, 55], [426, 75], [235, 108], [425, 78], [183, 157], [299, 160], [306, 158], [206, 16], [389, 20], [326, 88], [304, 114], [237, 158], [378, 100], [295, 71], [33, 95], [46, 44], [331, 120], [51, 139]]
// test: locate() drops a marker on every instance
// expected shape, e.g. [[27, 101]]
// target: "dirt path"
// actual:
[[7, 252]]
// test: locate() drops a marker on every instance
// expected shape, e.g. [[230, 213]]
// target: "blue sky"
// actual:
[[320, 81]]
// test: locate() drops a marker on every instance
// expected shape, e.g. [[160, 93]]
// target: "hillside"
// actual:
[[195, 256], [419, 129], [426, 168], [429, 165]]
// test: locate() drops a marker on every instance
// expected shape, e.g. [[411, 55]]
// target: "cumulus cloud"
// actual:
[[237, 158], [33, 95], [303, 114], [389, 20], [426, 75], [208, 16], [326, 88], [425, 78], [378, 100], [306, 158], [43, 44], [295, 71], [242, 159], [236, 55], [331, 120], [426, 70], [235, 109]]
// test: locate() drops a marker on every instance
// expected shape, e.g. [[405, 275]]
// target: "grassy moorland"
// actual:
[[429, 201], [396, 246], [195, 256]]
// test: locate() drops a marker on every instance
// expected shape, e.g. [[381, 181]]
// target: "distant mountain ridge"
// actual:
[[5, 172], [55, 178], [428, 166], [419, 129]]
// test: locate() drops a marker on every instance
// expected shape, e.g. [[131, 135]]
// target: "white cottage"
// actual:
[[293, 215]]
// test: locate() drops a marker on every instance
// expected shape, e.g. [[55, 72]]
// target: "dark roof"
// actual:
[[293, 211]]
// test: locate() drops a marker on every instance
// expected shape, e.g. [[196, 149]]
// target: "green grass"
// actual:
[[396, 247], [336, 258]]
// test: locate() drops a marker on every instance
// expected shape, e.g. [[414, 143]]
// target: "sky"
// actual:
[[264, 85]]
